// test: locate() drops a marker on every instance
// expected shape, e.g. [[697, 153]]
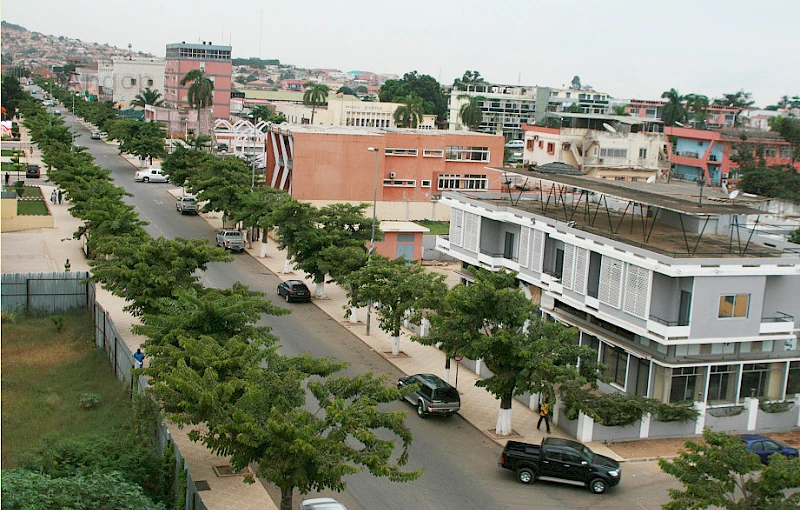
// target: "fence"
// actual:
[[46, 293]]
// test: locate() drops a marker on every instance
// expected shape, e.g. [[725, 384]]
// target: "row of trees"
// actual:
[[211, 363]]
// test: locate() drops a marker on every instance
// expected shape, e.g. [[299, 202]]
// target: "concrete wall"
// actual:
[[429, 251], [12, 222], [671, 428], [778, 421], [705, 306]]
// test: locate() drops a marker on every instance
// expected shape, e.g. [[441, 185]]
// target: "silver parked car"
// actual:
[[150, 175], [321, 504], [230, 239]]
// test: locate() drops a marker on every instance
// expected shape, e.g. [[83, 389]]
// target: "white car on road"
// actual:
[[150, 175]]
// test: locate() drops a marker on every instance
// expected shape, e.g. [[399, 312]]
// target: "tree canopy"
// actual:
[[434, 101], [410, 113]]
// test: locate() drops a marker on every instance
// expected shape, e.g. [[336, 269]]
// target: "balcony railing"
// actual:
[[688, 154], [780, 317], [665, 322], [498, 255]]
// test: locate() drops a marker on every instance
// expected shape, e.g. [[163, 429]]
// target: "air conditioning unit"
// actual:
[[391, 175]]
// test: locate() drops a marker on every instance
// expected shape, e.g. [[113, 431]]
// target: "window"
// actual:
[[684, 382], [721, 383], [400, 183], [459, 153], [449, 181], [733, 306], [785, 152], [405, 238], [610, 152], [617, 360], [770, 152], [149, 83], [425, 183], [432, 153], [471, 181], [642, 152], [793, 383], [755, 379], [551, 148], [634, 111], [400, 152]]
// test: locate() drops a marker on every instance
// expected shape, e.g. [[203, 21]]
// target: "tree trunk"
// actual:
[[319, 291], [353, 315], [503, 427], [286, 498], [396, 344], [287, 265], [264, 239]]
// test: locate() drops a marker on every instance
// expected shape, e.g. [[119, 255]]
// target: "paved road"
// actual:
[[460, 462]]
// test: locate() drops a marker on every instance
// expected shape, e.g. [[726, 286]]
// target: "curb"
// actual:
[[647, 459]]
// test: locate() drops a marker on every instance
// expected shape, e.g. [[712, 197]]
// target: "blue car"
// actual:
[[764, 447]]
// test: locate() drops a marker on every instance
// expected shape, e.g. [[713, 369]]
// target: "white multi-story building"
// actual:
[[589, 101], [105, 78], [680, 301], [346, 110], [133, 75], [505, 108], [605, 146]]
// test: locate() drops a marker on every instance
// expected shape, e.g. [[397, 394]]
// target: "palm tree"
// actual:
[[673, 111], [470, 112], [620, 109], [200, 95], [410, 113], [147, 96], [315, 94], [197, 143], [697, 104]]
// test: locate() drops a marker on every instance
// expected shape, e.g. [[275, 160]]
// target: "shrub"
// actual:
[[774, 406], [90, 400]]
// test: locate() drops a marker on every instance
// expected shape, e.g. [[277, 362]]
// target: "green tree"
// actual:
[[794, 237], [620, 109], [403, 290], [11, 95], [434, 100], [789, 129], [221, 182], [492, 320], [697, 106], [200, 96], [674, 111], [316, 94], [719, 472], [470, 112], [575, 84], [347, 91], [468, 78], [739, 100], [265, 113], [410, 113], [147, 97], [292, 219]]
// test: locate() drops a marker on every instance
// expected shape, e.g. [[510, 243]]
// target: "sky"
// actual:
[[628, 48]]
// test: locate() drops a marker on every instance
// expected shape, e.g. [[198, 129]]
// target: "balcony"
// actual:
[[668, 329], [688, 154], [780, 323]]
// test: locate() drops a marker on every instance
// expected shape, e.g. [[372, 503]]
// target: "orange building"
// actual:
[[326, 164], [214, 61]]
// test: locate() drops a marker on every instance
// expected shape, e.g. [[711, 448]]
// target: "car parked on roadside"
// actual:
[[32, 171], [95, 135], [150, 175], [294, 290], [765, 447], [321, 504], [186, 205], [515, 144], [56, 112], [230, 239], [433, 396]]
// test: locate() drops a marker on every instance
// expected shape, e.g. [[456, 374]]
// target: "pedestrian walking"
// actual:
[[53, 196], [31, 151], [7, 178], [139, 357], [67, 267], [544, 414], [60, 196]]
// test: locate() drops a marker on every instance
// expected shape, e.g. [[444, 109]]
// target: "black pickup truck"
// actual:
[[561, 460]]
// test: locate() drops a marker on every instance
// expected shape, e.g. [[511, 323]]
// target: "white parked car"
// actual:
[[150, 175], [515, 144], [321, 504]]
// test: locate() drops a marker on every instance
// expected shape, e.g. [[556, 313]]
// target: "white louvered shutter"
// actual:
[[537, 251], [581, 263], [610, 281], [472, 225], [569, 260], [524, 246], [637, 287], [456, 227]]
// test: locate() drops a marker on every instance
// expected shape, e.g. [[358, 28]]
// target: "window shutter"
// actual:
[[610, 281]]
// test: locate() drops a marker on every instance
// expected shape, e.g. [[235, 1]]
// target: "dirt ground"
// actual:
[[648, 448]]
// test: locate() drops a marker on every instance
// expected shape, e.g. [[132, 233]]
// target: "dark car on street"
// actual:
[[294, 290], [764, 447], [433, 396], [32, 172]]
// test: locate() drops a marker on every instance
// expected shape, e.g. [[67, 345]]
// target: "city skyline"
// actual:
[[628, 49]]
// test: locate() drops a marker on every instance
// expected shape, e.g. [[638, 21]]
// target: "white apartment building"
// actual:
[[133, 75], [605, 146], [346, 110], [590, 101], [681, 302], [506, 108], [105, 78]]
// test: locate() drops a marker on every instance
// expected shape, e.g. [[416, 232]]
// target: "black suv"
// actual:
[[32, 171], [433, 395]]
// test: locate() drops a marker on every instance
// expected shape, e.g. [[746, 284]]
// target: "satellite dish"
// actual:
[[679, 124], [733, 194], [608, 128], [651, 179]]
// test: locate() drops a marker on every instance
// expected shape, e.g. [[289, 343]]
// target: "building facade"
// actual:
[[132, 75], [589, 101], [605, 146], [675, 307], [413, 166], [346, 110], [214, 60], [505, 108]]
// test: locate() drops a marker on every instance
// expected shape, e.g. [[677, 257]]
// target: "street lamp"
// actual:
[[374, 220]]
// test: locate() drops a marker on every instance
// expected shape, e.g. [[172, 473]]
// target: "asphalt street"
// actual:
[[459, 462]]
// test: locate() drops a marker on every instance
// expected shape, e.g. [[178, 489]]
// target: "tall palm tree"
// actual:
[[470, 112], [315, 94], [673, 111], [697, 105], [147, 96], [410, 113], [200, 95]]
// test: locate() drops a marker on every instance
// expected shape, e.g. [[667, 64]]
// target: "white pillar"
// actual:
[[751, 406], [797, 408], [700, 422], [395, 345], [585, 428], [556, 410], [353, 315], [478, 366], [503, 426], [644, 428], [424, 327], [263, 249], [287, 265]]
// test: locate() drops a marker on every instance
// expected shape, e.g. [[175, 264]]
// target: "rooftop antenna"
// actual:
[[651, 179], [701, 181]]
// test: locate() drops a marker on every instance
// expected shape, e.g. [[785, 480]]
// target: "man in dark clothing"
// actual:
[[59, 196], [544, 414]]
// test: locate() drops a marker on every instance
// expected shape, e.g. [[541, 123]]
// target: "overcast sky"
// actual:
[[628, 48]]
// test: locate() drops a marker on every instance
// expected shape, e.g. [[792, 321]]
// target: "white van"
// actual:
[[515, 144]]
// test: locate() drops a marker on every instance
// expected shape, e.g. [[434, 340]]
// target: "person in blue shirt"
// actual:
[[139, 357]]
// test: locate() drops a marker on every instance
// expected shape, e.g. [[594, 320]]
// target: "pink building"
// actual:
[[335, 164], [401, 239], [214, 61]]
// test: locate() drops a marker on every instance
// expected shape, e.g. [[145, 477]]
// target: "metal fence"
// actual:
[[46, 293]]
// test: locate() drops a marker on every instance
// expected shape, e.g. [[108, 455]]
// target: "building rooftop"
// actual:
[[365, 131], [402, 226], [622, 119]]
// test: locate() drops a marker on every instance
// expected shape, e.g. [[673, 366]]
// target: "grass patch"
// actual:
[[438, 228], [31, 192], [45, 374], [7, 166], [32, 208], [7, 152]]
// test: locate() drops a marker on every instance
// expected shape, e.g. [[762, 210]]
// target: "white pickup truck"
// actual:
[[230, 239], [186, 205]]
